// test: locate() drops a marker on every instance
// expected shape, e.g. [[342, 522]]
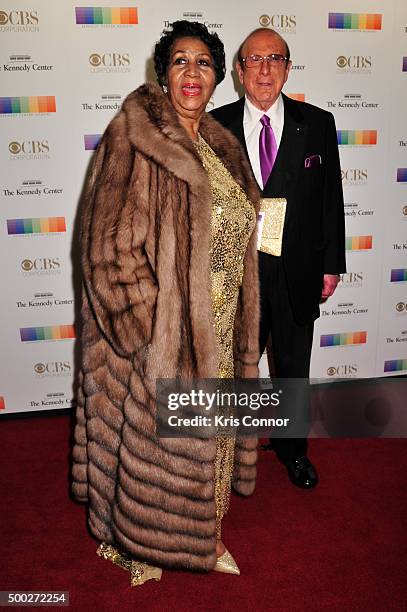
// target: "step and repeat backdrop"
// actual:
[[65, 71]]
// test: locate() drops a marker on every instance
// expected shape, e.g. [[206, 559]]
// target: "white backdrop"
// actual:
[[64, 73]]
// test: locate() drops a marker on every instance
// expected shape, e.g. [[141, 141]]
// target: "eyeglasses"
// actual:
[[274, 60]]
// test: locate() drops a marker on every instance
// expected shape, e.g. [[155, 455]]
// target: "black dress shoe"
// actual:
[[302, 473]]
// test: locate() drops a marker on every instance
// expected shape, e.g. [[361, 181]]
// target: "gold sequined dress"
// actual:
[[232, 222]]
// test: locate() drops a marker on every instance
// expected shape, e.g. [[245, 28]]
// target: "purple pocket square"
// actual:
[[313, 161]]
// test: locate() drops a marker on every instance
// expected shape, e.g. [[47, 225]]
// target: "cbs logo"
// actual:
[[19, 18], [351, 277], [354, 61], [401, 307], [41, 264], [342, 370], [29, 147], [277, 21], [52, 367], [354, 175], [109, 60]]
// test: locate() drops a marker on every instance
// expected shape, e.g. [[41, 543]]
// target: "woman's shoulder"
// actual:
[[220, 139], [139, 109], [145, 93], [230, 151]]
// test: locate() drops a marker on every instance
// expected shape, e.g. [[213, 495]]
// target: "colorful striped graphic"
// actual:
[[402, 175], [345, 339], [358, 243], [27, 104], [398, 275], [355, 21], [50, 332], [395, 365], [2, 403], [91, 141], [44, 225], [356, 137], [404, 69], [97, 15], [300, 97]]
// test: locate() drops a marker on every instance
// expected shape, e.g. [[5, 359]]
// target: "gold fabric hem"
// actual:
[[139, 572]]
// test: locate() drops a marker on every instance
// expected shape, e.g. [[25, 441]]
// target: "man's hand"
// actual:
[[330, 283]]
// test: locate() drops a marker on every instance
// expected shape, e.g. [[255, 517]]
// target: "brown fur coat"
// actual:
[[147, 315]]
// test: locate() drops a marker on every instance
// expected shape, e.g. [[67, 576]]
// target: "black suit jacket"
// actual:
[[314, 231]]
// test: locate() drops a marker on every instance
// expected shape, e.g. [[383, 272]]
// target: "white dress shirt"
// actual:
[[252, 128]]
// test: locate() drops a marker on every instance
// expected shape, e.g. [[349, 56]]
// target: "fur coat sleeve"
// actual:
[[118, 277]]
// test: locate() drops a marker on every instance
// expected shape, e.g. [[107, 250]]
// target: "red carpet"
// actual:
[[339, 547]]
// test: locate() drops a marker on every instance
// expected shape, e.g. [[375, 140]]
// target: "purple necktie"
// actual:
[[267, 149]]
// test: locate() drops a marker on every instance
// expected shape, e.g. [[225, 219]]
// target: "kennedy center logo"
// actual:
[[91, 141], [106, 16], [395, 365], [355, 21], [356, 137], [402, 175], [22, 62], [24, 105], [345, 339], [42, 225], [49, 332], [359, 243], [398, 275]]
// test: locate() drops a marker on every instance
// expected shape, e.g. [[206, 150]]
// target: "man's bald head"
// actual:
[[241, 52]]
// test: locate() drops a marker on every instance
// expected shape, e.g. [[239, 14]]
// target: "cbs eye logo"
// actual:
[[264, 21], [405, 210], [14, 147], [331, 371], [401, 306], [95, 59], [27, 265], [341, 61], [39, 368]]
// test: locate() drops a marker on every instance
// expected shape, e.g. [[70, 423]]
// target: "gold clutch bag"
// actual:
[[270, 225]]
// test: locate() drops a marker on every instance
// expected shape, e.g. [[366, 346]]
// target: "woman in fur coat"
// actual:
[[170, 291]]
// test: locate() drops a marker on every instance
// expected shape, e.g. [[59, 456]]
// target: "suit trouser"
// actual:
[[291, 342]]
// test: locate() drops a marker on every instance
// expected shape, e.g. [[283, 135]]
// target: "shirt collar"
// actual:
[[252, 115]]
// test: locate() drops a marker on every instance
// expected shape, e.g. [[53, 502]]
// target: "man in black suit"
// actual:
[[306, 172]]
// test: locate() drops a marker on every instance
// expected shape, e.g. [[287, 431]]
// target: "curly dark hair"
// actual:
[[190, 29]]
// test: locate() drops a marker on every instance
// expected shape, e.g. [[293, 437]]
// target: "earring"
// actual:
[[165, 89]]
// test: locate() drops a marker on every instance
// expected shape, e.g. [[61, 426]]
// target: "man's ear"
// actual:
[[287, 70], [239, 71]]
